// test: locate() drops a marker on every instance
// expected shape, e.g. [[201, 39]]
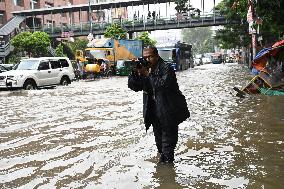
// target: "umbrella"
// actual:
[[262, 53], [259, 62]]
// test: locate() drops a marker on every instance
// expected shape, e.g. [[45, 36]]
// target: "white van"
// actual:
[[32, 73]]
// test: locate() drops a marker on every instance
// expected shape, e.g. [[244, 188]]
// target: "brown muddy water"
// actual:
[[91, 135]]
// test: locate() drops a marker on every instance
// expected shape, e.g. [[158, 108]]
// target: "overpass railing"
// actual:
[[131, 25]]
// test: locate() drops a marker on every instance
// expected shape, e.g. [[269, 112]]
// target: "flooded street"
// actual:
[[91, 135]]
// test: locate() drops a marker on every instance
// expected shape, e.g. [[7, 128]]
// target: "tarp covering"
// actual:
[[278, 43], [261, 59], [270, 92]]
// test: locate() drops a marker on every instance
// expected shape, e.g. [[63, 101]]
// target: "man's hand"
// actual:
[[143, 71]]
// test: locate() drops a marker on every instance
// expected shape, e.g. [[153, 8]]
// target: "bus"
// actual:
[[179, 55]]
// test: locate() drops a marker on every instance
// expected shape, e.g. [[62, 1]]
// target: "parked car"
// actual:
[[3, 69], [197, 62], [33, 73], [206, 60], [217, 58], [7, 66]]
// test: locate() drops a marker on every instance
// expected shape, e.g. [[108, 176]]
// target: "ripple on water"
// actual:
[[91, 135]]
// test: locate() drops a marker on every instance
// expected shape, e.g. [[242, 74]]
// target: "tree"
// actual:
[[35, 44], [59, 50], [39, 41], [200, 38], [115, 31], [20, 42], [271, 28], [181, 5], [271, 13], [144, 37], [78, 44]]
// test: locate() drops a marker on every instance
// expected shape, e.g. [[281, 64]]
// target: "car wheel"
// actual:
[[29, 85], [64, 81]]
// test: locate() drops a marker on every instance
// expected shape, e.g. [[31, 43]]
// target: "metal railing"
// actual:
[[142, 24], [5, 50]]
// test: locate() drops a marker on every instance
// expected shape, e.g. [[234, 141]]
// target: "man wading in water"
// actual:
[[164, 106]]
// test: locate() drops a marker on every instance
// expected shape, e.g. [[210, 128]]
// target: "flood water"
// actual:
[[91, 135]]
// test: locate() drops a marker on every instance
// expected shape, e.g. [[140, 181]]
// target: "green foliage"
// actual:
[[35, 44], [147, 41], [20, 41], [272, 14], [14, 58], [78, 44], [115, 31], [59, 50], [40, 42], [271, 29], [200, 38], [181, 5]]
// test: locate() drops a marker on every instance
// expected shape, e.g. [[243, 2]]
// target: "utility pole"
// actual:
[[90, 18], [252, 31]]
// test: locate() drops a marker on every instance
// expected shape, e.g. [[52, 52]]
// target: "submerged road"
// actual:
[[91, 135]]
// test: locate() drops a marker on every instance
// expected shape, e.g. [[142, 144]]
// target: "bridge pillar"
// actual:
[[130, 35]]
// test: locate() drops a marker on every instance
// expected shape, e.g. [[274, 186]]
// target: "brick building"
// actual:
[[49, 20], [9, 6]]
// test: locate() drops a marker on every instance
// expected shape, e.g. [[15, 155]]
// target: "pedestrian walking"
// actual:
[[149, 15], [154, 15], [164, 106]]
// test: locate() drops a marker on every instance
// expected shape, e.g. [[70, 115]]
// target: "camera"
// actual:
[[142, 62]]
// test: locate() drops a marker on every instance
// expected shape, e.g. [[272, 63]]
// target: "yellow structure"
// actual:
[[92, 68]]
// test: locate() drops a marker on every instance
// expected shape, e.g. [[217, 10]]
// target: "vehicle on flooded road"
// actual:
[[38, 72], [206, 60], [197, 62], [216, 58], [6, 67], [3, 69]]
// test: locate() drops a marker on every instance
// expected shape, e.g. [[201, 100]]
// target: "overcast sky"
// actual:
[[208, 4], [167, 9], [175, 34]]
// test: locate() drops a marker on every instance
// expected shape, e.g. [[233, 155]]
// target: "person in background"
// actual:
[[164, 106], [80, 68]]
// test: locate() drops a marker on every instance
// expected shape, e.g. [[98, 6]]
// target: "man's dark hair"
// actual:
[[153, 48]]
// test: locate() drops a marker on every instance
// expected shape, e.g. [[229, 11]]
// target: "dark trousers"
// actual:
[[166, 137]]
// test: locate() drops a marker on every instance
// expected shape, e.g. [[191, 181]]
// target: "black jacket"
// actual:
[[161, 90]]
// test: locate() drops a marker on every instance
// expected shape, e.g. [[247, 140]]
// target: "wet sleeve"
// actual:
[[135, 82], [165, 79], [147, 85]]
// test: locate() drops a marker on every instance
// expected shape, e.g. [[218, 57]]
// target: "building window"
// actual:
[[2, 17], [34, 4], [48, 23], [48, 4], [18, 2]]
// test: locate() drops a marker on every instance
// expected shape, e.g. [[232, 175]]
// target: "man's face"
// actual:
[[150, 56]]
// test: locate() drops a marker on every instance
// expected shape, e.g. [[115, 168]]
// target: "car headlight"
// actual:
[[17, 77]]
